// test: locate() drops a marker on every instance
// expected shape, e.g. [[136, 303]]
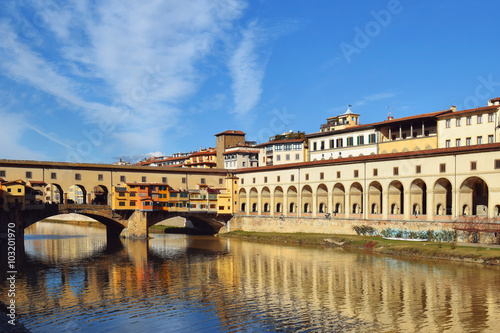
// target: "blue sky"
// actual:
[[93, 81]]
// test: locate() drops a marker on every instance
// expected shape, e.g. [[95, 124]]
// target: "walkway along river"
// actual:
[[73, 281]]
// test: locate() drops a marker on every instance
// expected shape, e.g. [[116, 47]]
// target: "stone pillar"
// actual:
[[407, 205], [285, 204], [259, 204], [89, 199], [272, 208], [329, 205], [430, 205], [138, 225], [347, 205], [314, 205], [65, 198], [385, 205]]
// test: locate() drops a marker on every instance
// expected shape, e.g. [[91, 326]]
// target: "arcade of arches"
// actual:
[[415, 199]]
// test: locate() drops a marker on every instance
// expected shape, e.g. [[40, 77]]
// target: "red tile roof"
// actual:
[[241, 150], [204, 153], [409, 154], [495, 99], [484, 108], [418, 116], [231, 132]]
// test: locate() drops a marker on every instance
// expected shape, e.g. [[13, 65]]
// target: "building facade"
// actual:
[[241, 157]]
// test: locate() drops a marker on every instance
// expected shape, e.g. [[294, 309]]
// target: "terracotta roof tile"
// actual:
[[484, 108], [231, 132], [280, 141]]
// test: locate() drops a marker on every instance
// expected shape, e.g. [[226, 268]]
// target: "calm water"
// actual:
[[73, 281]]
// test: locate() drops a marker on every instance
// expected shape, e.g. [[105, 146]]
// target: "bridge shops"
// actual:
[[430, 188]]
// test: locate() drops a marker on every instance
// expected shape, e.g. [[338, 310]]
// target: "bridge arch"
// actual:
[[375, 198], [291, 195], [322, 198], [265, 196], [396, 197], [306, 198], [278, 199], [442, 197], [242, 199], [356, 198], [338, 198], [77, 194], [100, 195], [418, 197], [473, 197], [54, 193]]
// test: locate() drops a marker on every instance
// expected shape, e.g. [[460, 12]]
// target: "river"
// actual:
[[71, 280]]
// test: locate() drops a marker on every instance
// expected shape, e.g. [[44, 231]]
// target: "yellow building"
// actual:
[[18, 195], [202, 159], [227, 200]]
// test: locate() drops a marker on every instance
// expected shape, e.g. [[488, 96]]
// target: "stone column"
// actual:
[[314, 205], [138, 225], [385, 204], [407, 204], [430, 205], [347, 205]]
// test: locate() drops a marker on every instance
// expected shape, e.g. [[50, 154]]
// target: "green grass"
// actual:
[[378, 244]]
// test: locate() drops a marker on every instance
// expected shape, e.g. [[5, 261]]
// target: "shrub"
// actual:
[[365, 230]]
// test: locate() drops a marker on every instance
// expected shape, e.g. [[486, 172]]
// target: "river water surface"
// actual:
[[71, 280]]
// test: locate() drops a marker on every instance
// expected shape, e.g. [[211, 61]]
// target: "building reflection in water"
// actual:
[[227, 284]]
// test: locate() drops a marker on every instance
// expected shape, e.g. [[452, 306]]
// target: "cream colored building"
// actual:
[[241, 157], [281, 152], [424, 185], [470, 127]]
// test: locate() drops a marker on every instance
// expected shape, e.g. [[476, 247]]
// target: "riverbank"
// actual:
[[483, 254]]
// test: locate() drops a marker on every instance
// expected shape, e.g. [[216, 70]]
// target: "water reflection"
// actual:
[[180, 283]]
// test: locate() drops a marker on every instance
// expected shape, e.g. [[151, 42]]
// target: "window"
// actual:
[[28, 175], [132, 194], [297, 146], [356, 173], [287, 157], [307, 176], [184, 180], [350, 141], [278, 179], [371, 138], [332, 144], [338, 174], [132, 203], [468, 120], [292, 178], [457, 143], [322, 145], [78, 176], [121, 203], [53, 175], [375, 172], [395, 171], [253, 180], [297, 157], [448, 143], [278, 158], [242, 181], [479, 118], [418, 169], [468, 141], [144, 179], [265, 179], [2, 173], [244, 164], [448, 123], [490, 138], [473, 165], [164, 180], [121, 194], [497, 164], [490, 117], [123, 179], [100, 177], [479, 140], [459, 121], [361, 140], [340, 143], [203, 181], [315, 146], [221, 181], [288, 146], [442, 167], [321, 175]]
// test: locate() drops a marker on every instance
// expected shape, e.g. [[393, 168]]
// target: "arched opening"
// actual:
[[338, 198], [99, 195], [474, 194], [396, 197], [306, 198], [265, 196], [442, 197], [375, 198], [77, 195], [322, 198], [465, 210], [418, 197], [497, 210], [242, 199], [278, 199], [356, 198], [254, 199], [54, 194], [292, 196]]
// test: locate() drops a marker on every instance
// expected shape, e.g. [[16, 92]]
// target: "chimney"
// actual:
[[453, 108], [390, 117]]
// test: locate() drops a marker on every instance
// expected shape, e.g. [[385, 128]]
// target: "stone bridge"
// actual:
[[126, 223]]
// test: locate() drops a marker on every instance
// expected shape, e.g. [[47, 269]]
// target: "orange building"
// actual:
[[202, 159]]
